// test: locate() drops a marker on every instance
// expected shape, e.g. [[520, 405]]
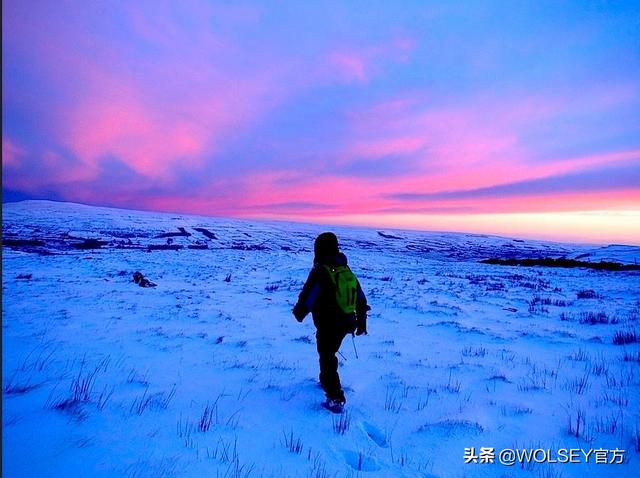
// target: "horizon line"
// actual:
[[365, 224]]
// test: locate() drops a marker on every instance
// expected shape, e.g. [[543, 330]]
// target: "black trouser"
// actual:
[[328, 341]]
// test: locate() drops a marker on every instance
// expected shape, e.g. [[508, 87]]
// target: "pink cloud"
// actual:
[[148, 114], [375, 148], [11, 153], [461, 147]]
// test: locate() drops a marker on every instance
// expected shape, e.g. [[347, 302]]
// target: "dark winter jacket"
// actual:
[[318, 297]]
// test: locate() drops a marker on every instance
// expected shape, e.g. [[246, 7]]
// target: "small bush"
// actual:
[[453, 385], [158, 400], [631, 357], [567, 317], [593, 318], [423, 401], [134, 377], [622, 337], [474, 352], [537, 304], [579, 385], [619, 399], [17, 386], [82, 386], [139, 405], [607, 425], [294, 445], [587, 294], [580, 355], [600, 367], [103, 398], [391, 401], [621, 380], [533, 383], [550, 301], [576, 426], [206, 419], [80, 392], [342, 423]]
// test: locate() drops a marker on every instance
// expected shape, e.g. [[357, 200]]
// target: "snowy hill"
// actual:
[[60, 225], [209, 374]]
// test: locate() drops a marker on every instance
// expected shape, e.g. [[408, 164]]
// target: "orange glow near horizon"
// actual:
[[587, 227]]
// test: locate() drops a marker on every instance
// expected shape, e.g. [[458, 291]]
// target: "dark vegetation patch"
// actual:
[[549, 301], [241, 246], [198, 246], [208, 234], [366, 245], [562, 262], [589, 318], [587, 294], [388, 236], [538, 303], [16, 386], [124, 234], [22, 243], [89, 244], [631, 356], [622, 337], [165, 247], [594, 318], [182, 233], [419, 248]]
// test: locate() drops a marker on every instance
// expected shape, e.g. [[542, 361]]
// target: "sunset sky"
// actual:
[[516, 118]]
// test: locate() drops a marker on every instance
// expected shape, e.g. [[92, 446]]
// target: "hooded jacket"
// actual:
[[318, 297]]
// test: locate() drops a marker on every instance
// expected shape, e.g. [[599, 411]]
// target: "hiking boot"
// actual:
[[334, 405], [338, 398]]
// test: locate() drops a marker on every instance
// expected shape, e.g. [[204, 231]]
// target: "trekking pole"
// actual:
[[353, 341]]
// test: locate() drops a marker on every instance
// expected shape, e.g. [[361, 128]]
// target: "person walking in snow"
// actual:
[[339, 307]]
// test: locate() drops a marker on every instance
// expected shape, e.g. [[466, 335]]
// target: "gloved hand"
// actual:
[[299, 312], [361, 328]]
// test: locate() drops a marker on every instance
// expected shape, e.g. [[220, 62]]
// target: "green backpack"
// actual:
[[346, 286]]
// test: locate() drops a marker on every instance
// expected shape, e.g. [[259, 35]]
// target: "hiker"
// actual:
[[333, 315]]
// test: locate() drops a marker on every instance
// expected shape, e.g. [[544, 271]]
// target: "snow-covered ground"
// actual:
[[209, 374]]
